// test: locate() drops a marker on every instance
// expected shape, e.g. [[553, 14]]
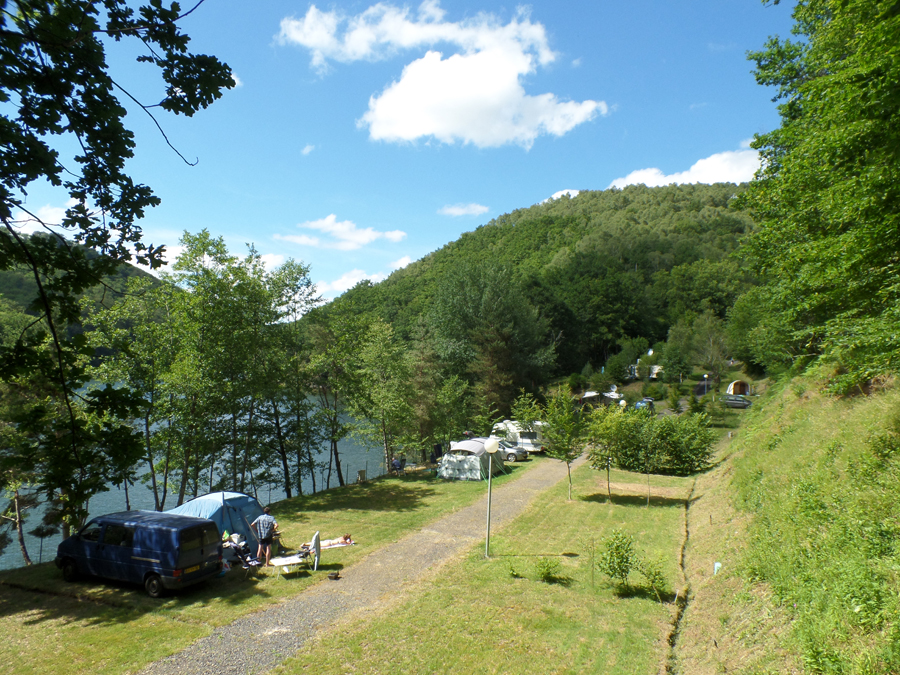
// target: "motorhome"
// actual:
[[532, 441]]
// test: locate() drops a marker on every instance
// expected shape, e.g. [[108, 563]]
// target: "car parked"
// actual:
[[512, 453], [160, 551], [645, 404], [736, 401]]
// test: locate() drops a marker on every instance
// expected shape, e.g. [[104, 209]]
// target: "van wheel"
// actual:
[[153, 585], [69, 570], [511, 457]]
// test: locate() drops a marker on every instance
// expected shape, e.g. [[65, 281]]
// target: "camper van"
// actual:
[[160, 551], [532, 441]]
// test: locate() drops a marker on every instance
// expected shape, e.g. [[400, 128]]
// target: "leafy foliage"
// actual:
[[564, 431], [827, 196], [675, 444], [618, 557], [57, 94], [547, 569]]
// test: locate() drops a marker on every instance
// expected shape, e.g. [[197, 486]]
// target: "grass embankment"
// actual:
[[497, 616], [45, 620], [804, 515]]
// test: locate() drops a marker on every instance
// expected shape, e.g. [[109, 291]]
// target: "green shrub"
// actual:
[[576, 382], [655, 390], [547, 569], [617, 557], [652, 571]]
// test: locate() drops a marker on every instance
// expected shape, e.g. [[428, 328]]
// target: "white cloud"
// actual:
[[733, 166], [401, 263], [238, 82], [576, 62], [474, 95], [556, 195], [272, 260], [348, 281], [47, 216], [344, 235], [308, 149], [463, 210]]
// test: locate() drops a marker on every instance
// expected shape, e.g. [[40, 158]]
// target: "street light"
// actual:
[[490, 446]]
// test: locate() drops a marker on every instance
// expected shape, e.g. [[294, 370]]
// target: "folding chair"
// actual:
[[249, 563], [310, 556]]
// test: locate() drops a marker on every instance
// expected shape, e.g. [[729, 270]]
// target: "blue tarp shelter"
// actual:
[[231, 511]]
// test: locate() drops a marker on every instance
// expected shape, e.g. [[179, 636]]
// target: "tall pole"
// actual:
[[487, 538]]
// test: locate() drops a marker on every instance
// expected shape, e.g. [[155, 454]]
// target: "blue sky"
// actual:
[[364, 135]]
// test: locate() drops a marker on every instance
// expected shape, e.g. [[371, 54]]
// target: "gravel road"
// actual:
[[261, 641]]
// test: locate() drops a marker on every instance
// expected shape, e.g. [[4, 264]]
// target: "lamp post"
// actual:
[[705, 383], [491, 446]]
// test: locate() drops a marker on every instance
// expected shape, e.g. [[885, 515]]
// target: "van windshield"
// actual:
[[199, 537]]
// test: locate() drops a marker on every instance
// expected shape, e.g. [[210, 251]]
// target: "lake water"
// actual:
[[353, 459]]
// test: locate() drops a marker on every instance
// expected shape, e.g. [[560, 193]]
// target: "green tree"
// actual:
[[58, 94], [826, 197], [487, 330], [526, 411], [380, 402], [564, 431]]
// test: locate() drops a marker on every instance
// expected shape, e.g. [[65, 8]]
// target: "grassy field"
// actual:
[[498, 616], [45, 619]]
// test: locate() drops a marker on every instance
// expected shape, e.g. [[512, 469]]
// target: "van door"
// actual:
[[88, 551], [117, 548], [200, 547]]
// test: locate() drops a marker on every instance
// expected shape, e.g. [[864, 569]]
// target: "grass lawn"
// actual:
[[45, 619], [497, 616]]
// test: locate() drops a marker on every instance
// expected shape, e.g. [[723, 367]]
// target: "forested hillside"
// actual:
[[18, 290], [597, 268]]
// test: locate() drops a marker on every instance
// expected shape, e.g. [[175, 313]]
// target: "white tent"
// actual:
[[738, 387], [468, 460]]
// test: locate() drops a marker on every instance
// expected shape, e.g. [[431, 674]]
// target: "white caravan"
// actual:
[[532, 441]]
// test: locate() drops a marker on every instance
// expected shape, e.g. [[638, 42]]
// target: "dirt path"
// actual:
[[263, 640]]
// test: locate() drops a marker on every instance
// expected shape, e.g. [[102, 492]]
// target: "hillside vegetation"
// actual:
[[599, 267], [804, 517]]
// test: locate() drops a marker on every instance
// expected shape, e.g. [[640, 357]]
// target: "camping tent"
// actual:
[[738, 387], [468, 460], [231, 511]]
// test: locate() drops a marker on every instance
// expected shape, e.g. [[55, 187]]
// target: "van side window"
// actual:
[[531, 435], [91, 532], [118, 535], [199, 537]]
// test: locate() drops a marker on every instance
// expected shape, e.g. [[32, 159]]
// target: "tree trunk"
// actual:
[[285, 467], [20, 528], [156, 504]]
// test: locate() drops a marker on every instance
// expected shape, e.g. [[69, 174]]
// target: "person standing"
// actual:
[[265, 527]]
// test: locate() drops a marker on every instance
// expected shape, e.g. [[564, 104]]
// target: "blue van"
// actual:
[[161, 551]]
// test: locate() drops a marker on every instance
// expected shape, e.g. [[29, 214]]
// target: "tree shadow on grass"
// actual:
[[557, 580], [643, 593], [634, 500], [382, 495], [43, 596], [568, 554]]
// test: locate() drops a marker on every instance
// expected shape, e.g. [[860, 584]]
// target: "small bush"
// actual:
[[547, 569], [618, 557], [576, 382], [652, 571], [655, 390]]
